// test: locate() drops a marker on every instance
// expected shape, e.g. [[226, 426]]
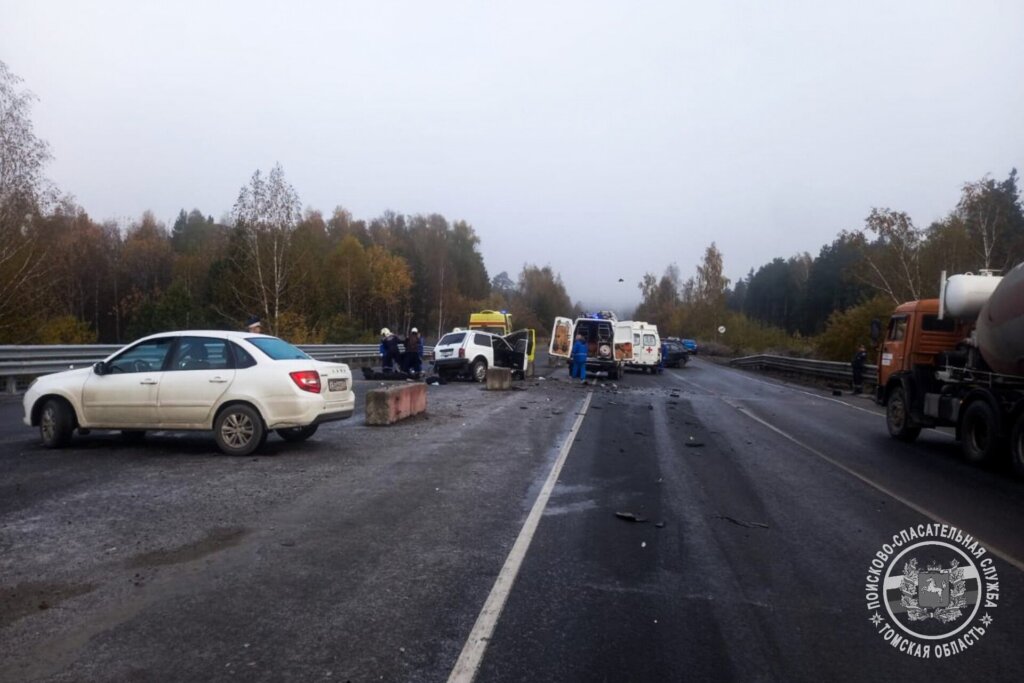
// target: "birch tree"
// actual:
[[991, 214], [891, 246], [23, 192], [265, 215]]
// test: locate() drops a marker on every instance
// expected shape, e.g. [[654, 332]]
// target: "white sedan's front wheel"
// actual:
[[239, 430], [56, 423]]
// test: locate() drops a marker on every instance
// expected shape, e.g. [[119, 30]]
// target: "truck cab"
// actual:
[[914, 338]]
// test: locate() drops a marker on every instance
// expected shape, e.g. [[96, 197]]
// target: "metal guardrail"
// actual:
[[19, 364], [823, 369]]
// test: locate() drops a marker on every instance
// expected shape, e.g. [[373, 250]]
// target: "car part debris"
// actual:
[[740, 522], [630, 517]]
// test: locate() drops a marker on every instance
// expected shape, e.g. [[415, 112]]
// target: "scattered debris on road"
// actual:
[[740, 522], [630, 517]]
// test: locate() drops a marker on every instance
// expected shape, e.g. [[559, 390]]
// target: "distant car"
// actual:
[[677, 355], [238, 384], [468, 353], [690, 345]]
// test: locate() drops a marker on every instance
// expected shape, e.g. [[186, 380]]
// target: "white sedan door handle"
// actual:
[[148, 380], [218, 379]]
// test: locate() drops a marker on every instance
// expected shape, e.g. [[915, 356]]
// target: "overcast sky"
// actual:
[[606, 139]]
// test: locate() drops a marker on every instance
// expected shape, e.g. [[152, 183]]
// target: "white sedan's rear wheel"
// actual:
[[239, 430]]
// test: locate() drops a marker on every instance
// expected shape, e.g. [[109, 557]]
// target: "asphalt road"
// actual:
[[368, 553]]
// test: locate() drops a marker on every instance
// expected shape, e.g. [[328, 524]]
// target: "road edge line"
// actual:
[[472, 654], [1001, 554]]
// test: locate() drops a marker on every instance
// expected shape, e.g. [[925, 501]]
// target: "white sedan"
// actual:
[[238, 384]]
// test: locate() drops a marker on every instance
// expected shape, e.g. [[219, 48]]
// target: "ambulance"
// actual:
[[646, 347], [609, 341]]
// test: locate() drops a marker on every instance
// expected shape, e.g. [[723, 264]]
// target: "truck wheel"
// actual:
[[1017, 446], [56, 423], [897, 417], [239, 430], [980, 432], [478, 371]]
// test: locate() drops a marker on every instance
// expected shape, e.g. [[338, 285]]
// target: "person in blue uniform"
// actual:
[[578, 369]]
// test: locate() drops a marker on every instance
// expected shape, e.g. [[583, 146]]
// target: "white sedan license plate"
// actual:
[[336, 385]]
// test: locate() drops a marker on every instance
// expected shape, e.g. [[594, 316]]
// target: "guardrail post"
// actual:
[[12, 385]]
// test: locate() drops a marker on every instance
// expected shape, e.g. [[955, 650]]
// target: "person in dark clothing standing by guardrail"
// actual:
[[860, 359]]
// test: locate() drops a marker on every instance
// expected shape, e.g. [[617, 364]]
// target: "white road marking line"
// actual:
[[873, 413], [1001, 554], [691, 382], [476, 644]]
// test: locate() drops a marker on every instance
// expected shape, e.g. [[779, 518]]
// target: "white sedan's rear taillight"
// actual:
[[307, 380]]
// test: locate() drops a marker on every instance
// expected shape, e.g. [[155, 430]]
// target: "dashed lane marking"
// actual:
[[476, 644]]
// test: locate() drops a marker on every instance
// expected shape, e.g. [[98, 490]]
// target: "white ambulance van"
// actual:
[[646, 347], [609, 341]]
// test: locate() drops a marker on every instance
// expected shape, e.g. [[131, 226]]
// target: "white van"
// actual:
[[609, 342], [646, 346]]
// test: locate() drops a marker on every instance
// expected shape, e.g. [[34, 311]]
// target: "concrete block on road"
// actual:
[[499, 379], [388, 405]]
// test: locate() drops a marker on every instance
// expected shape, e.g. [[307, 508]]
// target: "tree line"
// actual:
[[66, 278], [823, 304]]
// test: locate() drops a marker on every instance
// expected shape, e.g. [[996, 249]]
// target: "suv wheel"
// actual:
[[478, 371]]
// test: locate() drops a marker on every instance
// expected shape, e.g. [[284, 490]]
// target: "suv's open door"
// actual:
[[518, 352], [561, 338]]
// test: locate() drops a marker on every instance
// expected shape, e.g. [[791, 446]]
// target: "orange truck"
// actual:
[[958, 361]]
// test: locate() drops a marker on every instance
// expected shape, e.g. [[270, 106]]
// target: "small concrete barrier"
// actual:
[[499, 379], [388, 405]]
